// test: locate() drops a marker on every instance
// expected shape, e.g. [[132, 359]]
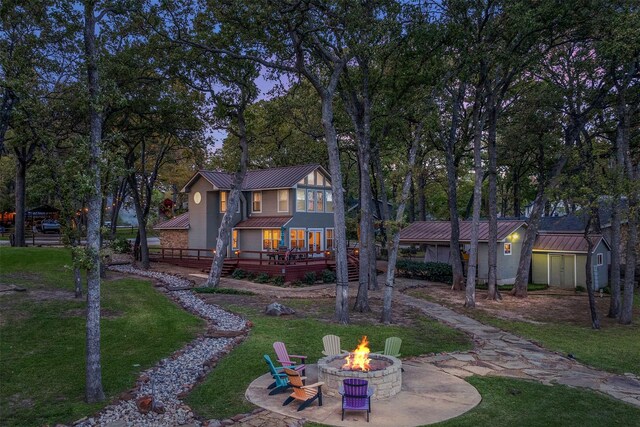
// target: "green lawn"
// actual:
[[42, 333], [222, 393]]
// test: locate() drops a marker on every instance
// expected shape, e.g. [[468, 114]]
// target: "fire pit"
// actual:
[[384, 373]]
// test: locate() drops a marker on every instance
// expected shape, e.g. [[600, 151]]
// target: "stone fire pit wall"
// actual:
[[387, 382]]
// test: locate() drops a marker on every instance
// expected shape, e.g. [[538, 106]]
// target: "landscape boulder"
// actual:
[[277, 309]]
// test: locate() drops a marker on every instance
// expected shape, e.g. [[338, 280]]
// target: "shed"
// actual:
[[174, 233], [560, 258], [435, 236]]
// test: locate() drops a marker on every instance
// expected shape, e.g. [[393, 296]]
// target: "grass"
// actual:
[[42, 335], [222, 394]]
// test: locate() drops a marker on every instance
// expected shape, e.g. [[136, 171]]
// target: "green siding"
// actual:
[[540, 267]]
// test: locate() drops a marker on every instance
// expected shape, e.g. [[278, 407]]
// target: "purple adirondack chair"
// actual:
[[284, 357], [356, 396]]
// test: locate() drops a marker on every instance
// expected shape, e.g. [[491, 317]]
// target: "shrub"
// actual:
[[251, 275], [581, 289], [277, 280], [433, 271], [239, 274], [328, 276], [121, 245], [262, 278], [310, 277]]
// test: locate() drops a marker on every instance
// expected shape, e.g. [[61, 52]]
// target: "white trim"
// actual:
[[287, 192], [548, 269], [575, 270]]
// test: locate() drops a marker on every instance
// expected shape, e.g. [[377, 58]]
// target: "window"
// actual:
[[329, 244], [320, 201], [311, 179], [311, 205], [234, 239], [319, 179], [256, 205], [223, 201], [270, 238], [329, 205], [283, 200], [600, 259], [297, 238], [301, 200], [507, 248]]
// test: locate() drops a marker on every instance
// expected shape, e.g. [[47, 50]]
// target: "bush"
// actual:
[[310, 277], [251, 275], [328, 276], [277, 280], [581, 289], [239, 274], [262, 278], [121, 245], [433, 271]]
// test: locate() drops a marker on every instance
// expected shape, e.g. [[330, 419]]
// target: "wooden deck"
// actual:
[[292, 266]]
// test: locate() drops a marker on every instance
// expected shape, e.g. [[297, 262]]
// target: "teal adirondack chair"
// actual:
[[391, 347], [281, 381]]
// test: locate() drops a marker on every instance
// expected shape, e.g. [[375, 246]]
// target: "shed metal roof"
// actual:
[[440, 231], [565, 242], [180, 222], [264, 222]]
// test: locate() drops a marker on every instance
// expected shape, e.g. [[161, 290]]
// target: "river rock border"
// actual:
[[156, 399]]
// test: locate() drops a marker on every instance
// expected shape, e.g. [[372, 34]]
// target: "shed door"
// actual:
[[562, 271]]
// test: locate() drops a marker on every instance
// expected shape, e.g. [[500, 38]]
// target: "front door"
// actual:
[[314, 241]]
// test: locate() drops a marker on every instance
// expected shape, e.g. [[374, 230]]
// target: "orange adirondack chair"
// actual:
[[304, 393], [284, 357]]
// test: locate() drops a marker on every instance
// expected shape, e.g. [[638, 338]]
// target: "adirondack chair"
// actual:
[[331, 345], [356, 396], [281, 381], [392, 346], [304, 393], [285, 358]]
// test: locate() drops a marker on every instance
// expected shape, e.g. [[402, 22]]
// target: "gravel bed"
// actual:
[[174, 375]]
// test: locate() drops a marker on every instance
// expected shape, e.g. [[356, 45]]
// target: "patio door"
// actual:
[[314, 240]]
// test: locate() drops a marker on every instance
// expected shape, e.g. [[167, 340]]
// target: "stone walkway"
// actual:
[[501, 353]]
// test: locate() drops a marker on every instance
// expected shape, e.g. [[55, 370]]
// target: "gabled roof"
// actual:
[[264, 222], [566, 242], [440, 231], [180, 222], [261, 179]]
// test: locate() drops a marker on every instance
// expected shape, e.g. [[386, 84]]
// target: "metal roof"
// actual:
[[565, 242], [264, 222], [261, 179], [180, 222], [440, 231]]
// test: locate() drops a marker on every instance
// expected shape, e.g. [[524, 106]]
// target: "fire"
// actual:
[[358, 359]]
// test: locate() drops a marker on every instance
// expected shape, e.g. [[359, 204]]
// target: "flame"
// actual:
[[358, 359]]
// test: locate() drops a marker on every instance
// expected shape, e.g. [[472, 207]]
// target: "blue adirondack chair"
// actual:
[[281, 381]]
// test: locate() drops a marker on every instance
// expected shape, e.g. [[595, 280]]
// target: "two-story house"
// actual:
[[288, 206]]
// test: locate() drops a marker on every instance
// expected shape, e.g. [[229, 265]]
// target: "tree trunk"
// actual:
[[94, 392], [595, 322], [21, 179], [394, 241], [222, 242], [492, 286], [626, 316], [364, 279], [422, 202], [614, 302], [452, 183], [141, 239]]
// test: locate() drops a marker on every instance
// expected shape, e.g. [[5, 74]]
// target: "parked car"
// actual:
[[50, 225]]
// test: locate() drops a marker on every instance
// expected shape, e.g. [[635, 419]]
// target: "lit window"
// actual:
[[320, 201], [600, 259], [311, 180], [311, 206], [223, 201], [330, 239], [283, 200], [329, 204], [507, 248], [234, 239], [301, 200], [256, 205], [297, 238], [270, 239]]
